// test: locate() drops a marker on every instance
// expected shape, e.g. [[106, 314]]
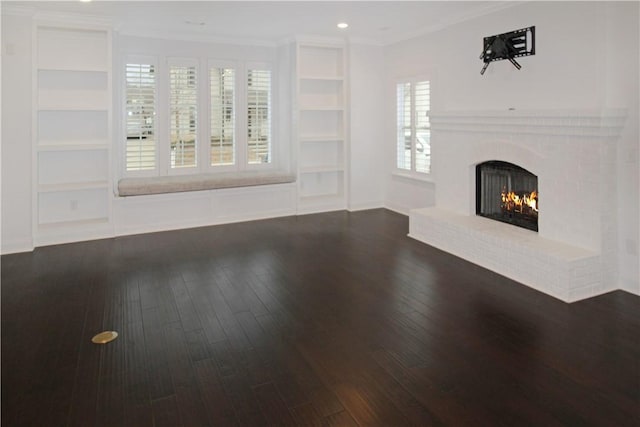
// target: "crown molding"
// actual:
[[14, 10], [316, 39], [75, 20], [365, 41], [192, 37]]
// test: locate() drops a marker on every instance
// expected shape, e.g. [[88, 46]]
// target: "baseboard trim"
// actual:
[[401, 209], [16, 246], [363, 206]]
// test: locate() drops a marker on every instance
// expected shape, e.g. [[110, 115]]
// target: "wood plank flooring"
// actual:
[[335, 319]]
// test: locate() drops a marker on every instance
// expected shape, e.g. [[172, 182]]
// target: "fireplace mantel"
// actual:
[[585, 123]]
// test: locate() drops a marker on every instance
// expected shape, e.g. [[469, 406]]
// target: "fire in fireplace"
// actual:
[[508, 193]]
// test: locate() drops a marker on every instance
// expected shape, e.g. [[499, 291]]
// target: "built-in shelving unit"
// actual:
[[321, 108], [72, 132]]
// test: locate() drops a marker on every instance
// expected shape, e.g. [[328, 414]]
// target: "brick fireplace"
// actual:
[[573, 156]]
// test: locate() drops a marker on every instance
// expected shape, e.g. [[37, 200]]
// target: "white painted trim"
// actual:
[[397, 208], [209, 216], [363, 206], [17, 10], [413, 176], [319, 41], [14, 246], [582, 123], [73, 233], [185, 36], [632, 288], [73, 20]]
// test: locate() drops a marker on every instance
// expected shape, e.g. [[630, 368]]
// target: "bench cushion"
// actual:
[[199, 182]]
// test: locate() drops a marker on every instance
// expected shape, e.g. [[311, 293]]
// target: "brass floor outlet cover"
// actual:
[[104, 337]]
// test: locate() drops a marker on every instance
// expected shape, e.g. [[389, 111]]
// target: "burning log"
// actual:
[[522, 203]]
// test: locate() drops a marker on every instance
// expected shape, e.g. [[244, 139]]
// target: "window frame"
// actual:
[[162, 105], [412, 170]]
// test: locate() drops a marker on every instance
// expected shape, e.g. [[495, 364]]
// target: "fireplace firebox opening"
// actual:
[[508, 193]]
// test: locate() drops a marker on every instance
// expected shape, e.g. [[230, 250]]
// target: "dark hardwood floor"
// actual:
[[330, 319]]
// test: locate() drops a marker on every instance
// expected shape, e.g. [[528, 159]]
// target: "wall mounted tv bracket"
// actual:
[[511, 45]]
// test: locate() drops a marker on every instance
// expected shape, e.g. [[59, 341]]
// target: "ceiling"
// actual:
[[377, 22]]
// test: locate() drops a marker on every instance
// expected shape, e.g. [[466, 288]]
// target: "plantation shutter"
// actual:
[[140, 147], [222, 116], [258, 116], [403, 134], [422, 102], [413, 134], [183, 116]]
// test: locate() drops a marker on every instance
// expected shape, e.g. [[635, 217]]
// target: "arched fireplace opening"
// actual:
[[508, 193]]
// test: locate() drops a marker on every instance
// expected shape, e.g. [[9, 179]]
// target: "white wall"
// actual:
[[561, 74], [586, 59], [622, 88], [16, 133], [367, 142]]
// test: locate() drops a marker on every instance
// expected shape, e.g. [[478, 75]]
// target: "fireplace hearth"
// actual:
[[508, 193], [573, 153]]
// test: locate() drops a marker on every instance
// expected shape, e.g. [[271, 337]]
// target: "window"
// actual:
[[140, 149], [183, 116], [222, 138], [413, 140], [215, 116], [258, 116]]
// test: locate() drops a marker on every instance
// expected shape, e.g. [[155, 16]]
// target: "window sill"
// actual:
[[413, 176], [200, 182]]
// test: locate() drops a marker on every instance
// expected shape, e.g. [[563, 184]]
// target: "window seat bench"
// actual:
[[199, 182]]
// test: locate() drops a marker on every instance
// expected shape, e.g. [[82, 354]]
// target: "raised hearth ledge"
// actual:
[[566, 272]]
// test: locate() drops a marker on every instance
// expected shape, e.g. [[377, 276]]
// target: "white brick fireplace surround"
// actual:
[[573, 153]]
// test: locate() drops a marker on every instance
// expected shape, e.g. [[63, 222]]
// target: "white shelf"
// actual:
[[321, 60], [70, 146], [73, 100], [73, 130], [79, 125], [322, 108], [72, 90], [322, 199], [72, 186], [322, 146], [74, 223], [65, 49], [319, 138], [73, 204], [321, 169], [323, 78]]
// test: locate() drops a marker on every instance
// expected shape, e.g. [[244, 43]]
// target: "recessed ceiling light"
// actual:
[[343, 25], [85, 1]]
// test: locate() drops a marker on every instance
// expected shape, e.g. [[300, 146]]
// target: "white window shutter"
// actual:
[[258, 116], [140, 147], [183, 116], [222, 107], [413, 128], [422, 102], [403, 135]]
